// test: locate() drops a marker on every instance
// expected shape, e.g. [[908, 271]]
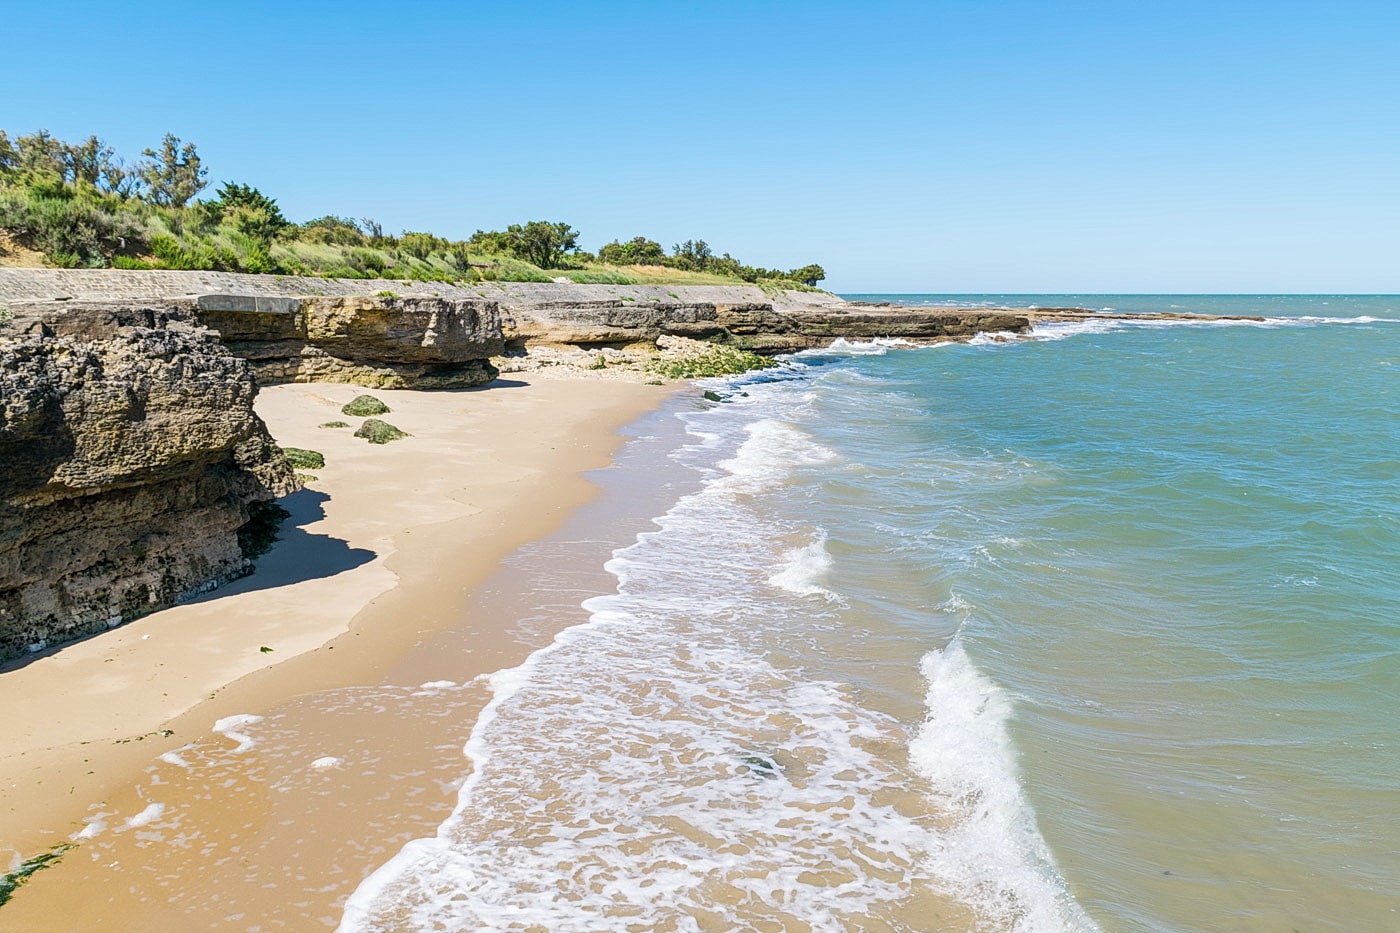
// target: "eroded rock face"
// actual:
[[131, 458], [757, 325], [382, 342]]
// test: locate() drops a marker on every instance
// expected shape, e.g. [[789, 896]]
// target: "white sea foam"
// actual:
[[993, 338], [990, 853], [841, 346], [329, 761], [96, 825], [803, 569], [174, 757], [145, 817], [1359, 319], [229, 727], [769, 455]]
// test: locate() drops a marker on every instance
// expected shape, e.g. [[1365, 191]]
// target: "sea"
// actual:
[[1094, 630]]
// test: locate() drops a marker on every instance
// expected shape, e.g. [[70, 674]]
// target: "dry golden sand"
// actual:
[[387, 546]]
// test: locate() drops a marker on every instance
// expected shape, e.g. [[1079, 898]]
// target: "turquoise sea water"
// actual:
[[1097, 630]]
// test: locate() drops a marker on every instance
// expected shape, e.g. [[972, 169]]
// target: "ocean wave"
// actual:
[[804, 568], [769, 456], [1312, 320], [988, 852], [842, 346]]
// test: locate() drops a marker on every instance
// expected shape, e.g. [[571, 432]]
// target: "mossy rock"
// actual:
[[380, 432], [715, 361], [364, 406], [304, 459], [334, 424]]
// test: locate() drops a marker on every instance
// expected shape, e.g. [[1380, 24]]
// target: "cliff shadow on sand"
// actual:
[[298, 555]]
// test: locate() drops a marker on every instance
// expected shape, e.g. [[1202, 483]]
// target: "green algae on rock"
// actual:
[[380, 432]]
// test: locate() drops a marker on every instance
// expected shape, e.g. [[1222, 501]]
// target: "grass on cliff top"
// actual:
[[363, 406], [715, 361], [380, 432]]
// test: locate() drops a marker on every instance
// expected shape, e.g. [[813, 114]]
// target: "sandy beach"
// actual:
[[374, 572]]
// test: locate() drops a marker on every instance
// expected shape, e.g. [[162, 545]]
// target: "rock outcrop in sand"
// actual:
[[132, 459]]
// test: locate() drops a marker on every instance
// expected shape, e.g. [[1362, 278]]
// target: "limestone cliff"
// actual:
[[284, 343], [131, 459], [383, 342]]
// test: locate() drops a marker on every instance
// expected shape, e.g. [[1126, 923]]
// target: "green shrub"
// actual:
[[380, 432], [304, 459], [362, 406]]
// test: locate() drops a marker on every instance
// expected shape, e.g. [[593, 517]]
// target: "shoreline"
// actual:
[[370, 545]]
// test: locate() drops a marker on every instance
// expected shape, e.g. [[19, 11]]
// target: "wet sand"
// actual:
[[379, 560]]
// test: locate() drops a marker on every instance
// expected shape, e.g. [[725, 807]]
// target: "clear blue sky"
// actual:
[[943, 146]]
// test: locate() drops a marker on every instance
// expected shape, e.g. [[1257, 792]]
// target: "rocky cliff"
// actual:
[[132, 460], [246, 308], [384, 342]]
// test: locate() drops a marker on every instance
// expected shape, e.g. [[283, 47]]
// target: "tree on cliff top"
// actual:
[[638, 251], [543, 243], [174, 175], [249, 210]]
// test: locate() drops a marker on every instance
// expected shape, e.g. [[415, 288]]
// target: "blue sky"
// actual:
[[940, 146]]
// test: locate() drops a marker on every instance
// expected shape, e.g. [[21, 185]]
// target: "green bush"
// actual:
[[380, 432], [304, 459], [362, 406]]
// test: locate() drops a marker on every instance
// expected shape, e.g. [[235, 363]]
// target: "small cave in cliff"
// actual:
[[257, 534]]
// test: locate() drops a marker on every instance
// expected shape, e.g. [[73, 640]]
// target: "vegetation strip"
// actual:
[[82, 206]]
